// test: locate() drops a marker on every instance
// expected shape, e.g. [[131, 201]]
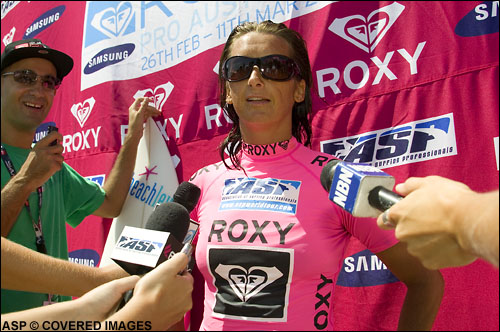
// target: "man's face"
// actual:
[[25, 107]]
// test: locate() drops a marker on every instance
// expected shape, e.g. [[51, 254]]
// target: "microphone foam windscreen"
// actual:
[[170, 217], [187, 194], [327, 174]]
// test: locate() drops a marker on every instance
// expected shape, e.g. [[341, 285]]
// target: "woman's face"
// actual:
[[263, 105]]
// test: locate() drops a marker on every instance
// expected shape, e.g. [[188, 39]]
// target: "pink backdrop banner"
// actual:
[[409, 87]]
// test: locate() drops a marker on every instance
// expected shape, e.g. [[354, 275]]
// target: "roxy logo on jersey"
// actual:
[[247, 283], [251, 283], [260, 195]]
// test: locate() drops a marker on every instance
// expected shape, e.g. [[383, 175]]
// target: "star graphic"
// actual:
[[148, 172]]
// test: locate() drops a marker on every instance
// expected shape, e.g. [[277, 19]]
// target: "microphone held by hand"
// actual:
[[139, 250], [360, 189]]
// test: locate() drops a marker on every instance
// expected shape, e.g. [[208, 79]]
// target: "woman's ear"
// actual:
[[229, 99], [300, 92]]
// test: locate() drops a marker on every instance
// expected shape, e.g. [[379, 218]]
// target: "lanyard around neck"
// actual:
[[37, 226]]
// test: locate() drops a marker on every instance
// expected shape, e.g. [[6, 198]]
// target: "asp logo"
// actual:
[[366, 33], [135, 244], [409, 143], [260, 195]]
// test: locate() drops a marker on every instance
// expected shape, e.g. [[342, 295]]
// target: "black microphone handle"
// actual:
[[128, 294], [382, 198], [126, 297]]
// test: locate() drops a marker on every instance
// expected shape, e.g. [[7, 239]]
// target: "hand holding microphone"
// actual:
[[162, 296], [362, 190], [444, 222], [140, 250]]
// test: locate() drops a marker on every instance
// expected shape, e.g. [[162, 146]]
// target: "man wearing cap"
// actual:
[[40, 193]]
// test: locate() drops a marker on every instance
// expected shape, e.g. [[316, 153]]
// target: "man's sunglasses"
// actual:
[[273, 67], [29, 77]]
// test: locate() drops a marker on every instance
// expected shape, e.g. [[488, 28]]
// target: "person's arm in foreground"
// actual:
[[424, 288], [444, 222], [95, 305], [161, 297], [118, 182], [28, 270]]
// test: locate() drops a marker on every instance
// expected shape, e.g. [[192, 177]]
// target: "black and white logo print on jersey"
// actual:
[[252, 284]]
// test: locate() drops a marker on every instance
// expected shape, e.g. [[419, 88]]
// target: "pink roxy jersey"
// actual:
[[271, 243]]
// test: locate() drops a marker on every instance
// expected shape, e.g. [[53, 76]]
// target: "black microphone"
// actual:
[[139, 251], [360, 189], [172, 217], [187, 194]]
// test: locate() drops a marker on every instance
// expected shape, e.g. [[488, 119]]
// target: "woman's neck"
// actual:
[[263, 137]]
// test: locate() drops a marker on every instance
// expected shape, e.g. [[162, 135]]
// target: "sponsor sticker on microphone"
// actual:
[[140, 246]]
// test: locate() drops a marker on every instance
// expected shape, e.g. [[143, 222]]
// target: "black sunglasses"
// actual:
[[274, 67], [29, 77]]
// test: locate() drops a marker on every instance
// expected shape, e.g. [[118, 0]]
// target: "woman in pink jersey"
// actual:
[[270, 243]]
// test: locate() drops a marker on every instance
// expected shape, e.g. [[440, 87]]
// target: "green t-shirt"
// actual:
[[67, 197]]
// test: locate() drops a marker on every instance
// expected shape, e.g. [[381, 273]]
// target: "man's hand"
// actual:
[[430, 220], [99, 303], [42, 162], [162, 296], [138, 113]]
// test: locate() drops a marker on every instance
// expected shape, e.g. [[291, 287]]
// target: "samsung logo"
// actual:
[[108, 57], [86, 257], [364, 269], [44, 21], [482, 20]]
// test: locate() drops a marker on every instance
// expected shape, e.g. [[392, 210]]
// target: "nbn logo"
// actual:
[[364, 269], [343, 180]]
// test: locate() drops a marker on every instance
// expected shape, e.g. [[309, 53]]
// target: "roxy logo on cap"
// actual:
[[30, 44]]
